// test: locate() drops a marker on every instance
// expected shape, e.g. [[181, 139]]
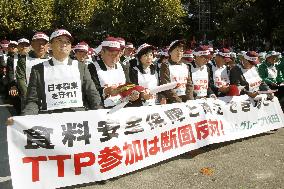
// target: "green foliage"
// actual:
[[11, 15], [245, 22], [74, 14], [38, 15], [140, 21]]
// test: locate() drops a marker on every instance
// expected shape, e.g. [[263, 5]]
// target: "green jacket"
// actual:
[[281, 71], [263, 73]]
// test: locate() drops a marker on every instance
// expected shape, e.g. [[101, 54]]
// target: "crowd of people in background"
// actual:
[[29, 67]]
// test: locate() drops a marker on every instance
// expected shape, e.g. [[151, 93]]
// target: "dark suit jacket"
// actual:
[[36, 99]]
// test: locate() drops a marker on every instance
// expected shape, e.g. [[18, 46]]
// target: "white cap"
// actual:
[[13, 43], [111, 45], [270, 53], [82, 46], [210, 49], [40, 35], [61, 32], [129, 46], [23, 40], [143, 46]]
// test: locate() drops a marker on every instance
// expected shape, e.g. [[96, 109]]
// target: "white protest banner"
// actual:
[[56, 150]]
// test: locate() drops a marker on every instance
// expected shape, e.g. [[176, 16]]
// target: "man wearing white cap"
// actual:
[[81, 52], [12, 52], [60, 84], [272, 74], [26, 62], [23, 48], [4, 46], [128, 53], [108, 73], [268, 70], [12, 61]]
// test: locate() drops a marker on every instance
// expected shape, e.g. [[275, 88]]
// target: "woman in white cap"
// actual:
[[176, 71], [144, 73], [219, 73], [200, 73]]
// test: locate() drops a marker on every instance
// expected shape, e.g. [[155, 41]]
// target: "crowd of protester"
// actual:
[[115, 71]]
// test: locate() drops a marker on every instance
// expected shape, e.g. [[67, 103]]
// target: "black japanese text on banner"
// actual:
[[56, 150]]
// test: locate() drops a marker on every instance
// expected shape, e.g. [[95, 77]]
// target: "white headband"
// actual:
[[59, 33], [129, 46], [187, 55], [23, 40], [253, 59], [145, 45], [112, 44], [273, 53], [227, 55], [201, 53], [81, 47], [40, 36], [13, 42]]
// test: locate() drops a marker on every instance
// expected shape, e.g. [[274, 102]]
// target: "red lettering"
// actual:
[[78, 164], [133, 152], [154, 149], [168, 140], [145, 145], [60, 163], [213, 126], [185, 135], [202, 129], [35, 165], [109, 158]]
